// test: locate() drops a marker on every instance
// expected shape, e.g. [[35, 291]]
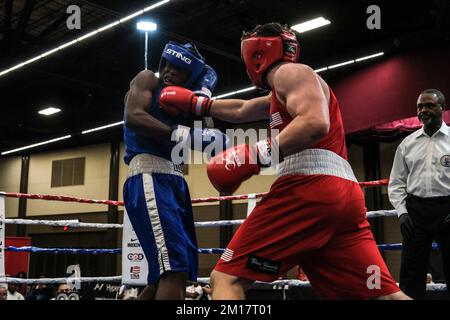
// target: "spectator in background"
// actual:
[[22, 288], [127, 293], [13, 294], [3, 293], [40, 291], [429, 278], [419, 189], [62, 289], [194, 291]]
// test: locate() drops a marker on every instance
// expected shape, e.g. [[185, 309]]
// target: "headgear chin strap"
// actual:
[[261, 52], [180, 56]]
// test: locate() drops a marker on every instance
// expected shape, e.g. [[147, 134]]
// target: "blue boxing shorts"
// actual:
[[159, 207]]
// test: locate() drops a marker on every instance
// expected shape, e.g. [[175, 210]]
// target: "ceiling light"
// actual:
[[217, 97], [49, 111], [156, 5], [79, 39], [36, 145], [370, 57], [146, 26], [311, 24], [321, 69], [341, 64], [232, 93], [103, 127]]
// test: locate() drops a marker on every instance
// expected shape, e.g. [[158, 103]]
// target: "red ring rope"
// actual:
[[366, 184]]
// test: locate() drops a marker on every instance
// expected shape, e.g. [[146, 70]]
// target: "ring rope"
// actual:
[[286, 282], [62, 250], [60, 280], [72, 223], [363, 184], [202, 224], [381, 247], [64, 223], [307, 284]]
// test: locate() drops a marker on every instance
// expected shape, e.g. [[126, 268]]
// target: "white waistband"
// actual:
[[316, 161], [147, 163]]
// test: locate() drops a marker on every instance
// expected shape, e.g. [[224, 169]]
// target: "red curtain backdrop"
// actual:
[[16, 262], [388, 91]]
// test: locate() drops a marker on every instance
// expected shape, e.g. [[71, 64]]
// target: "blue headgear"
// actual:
[[182, 56]]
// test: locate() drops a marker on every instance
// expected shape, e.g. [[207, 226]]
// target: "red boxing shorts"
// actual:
[[318, 222]]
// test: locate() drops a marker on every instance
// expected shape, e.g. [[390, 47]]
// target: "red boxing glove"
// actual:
[[174, 100], [229, 169]]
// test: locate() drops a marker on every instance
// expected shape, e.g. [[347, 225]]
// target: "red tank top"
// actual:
[[333, 141]]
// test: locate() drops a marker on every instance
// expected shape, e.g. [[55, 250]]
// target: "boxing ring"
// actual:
[[118, 278]]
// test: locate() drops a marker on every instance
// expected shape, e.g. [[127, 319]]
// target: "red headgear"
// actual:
[[261, 52]]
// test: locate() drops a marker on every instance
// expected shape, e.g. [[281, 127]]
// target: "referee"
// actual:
[[419, 189]]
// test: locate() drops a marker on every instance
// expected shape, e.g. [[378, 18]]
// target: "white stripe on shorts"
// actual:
[[150, 198]]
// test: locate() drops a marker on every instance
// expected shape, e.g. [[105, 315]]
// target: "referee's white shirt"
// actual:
[[421, 167]]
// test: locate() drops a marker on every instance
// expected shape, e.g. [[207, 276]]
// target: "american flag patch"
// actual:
[[227, 255], [275, 120], [135, 269]]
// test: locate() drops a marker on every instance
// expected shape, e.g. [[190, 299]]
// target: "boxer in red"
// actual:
[[314, 214]]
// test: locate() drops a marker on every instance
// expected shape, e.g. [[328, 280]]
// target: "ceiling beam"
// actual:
[[8, 17], [25, 17], [52, 27], [443, 16]]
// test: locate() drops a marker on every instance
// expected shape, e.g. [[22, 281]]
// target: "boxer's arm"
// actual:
[[298, 87], [240, 111], [138, 104]]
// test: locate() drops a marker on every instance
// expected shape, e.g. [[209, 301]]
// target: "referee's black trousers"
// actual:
[[431, 217]]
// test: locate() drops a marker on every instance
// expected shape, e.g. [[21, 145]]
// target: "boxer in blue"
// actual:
[[156, 196]]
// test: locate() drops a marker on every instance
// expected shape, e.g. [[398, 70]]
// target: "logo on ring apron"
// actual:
[[445, 160]]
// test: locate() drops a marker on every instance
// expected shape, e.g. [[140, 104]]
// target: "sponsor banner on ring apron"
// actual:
[[134, 263]]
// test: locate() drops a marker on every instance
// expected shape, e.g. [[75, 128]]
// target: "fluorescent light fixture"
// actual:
[[311, 24], [67, 44], [49, 111], [131, 16], [32, 60], [36, 145], [245, 89], [146, 26], [49, 52], [370, 57], [156, 5], [88, 35], [20, 65], [102, 127], [321, 69], [341, 64], [220, 96], [232, 93], [109, 26], [5, 72]]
